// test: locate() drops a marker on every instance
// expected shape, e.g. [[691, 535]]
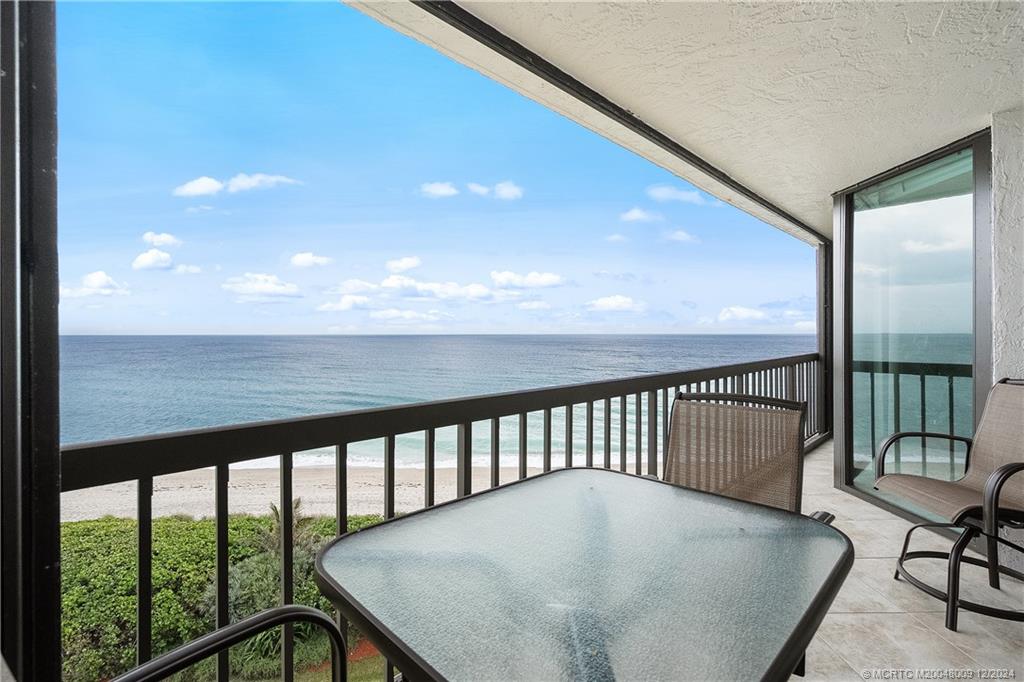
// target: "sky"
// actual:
[[913, 267], [299, 168]]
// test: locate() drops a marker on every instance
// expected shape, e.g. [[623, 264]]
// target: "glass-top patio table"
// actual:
[[589, 574]]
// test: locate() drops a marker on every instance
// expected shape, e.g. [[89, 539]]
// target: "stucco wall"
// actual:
[[1008, 244], [1008, 263]]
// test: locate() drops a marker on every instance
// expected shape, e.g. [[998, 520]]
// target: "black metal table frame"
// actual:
[[414, 667]]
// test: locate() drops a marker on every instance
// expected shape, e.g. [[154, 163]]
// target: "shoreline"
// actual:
[[251, 491]]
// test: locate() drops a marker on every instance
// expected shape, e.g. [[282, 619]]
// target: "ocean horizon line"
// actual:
[[433, 334]]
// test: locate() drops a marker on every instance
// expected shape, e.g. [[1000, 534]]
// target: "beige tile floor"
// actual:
[[878, 623]]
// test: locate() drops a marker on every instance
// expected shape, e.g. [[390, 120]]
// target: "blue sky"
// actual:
[[300, 168]]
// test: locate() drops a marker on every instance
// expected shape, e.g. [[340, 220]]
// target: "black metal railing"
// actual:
[[890, 377], [140, 459]]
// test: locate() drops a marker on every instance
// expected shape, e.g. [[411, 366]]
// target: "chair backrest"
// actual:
[[999, 440], [745, 447]]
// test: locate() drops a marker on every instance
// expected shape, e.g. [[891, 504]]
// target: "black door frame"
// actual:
[[29, 428], [842, 298]]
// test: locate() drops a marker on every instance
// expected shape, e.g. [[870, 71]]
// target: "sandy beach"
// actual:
[[251, 491]]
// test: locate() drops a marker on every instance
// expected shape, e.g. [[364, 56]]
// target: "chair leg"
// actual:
[[953, 577], [800, 669], [903, 553], [992, 555]]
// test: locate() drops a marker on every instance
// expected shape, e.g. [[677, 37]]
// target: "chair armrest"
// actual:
[[190, 653], [880, 460], [990, 503]]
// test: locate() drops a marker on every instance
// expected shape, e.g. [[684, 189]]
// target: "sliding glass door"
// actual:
[[911, 318]]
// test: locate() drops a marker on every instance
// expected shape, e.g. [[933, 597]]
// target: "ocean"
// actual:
[[118, 386]]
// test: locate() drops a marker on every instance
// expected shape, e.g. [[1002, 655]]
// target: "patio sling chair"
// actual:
[[741, 446], [745, 447], [987, 499]]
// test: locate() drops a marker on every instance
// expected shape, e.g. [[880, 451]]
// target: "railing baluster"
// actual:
[[590, 433], [607, 433], [638, 418], [287, 567], [464, 460], [389, 476], [547, 439], [144, 589], [664, 424], [791, 382], [924, 427], [952, 450], [808, 396], [874, 432], [429, 450], [568, 436], [652, 433], [341, 524], [523, 444], [495, 452], [896, 416], [622, 433], [812, 401], [341, 487], [221, 521]]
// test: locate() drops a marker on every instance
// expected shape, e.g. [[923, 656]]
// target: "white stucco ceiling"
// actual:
[[793, 100]]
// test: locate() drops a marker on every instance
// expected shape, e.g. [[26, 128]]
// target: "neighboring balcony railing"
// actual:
[[904, 412], [643, 397]]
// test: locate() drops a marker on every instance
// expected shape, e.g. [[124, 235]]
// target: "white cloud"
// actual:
[[437, 190], [244, 182], [475, 188], [346, 302], [307, 259], [201, 186], [154, 259], [869, 269], [96, 283], [681, 236], [403, 264], [740, 313], [508, 191], [256, 286], [161, 239], [187, 270], [915, 246], [353, 286], [531, 280], [534, 305], [806, 326], [616, 238], [639, 215], [616, 303], [202, 208], [441, 290], [670, 193], [396, 315]]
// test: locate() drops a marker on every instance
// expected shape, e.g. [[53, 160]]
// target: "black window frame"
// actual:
[[980, 143]]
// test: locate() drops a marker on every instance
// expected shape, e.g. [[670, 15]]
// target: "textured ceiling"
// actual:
[[793, 100]]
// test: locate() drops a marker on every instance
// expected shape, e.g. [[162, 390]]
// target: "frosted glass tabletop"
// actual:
[[589, 574]]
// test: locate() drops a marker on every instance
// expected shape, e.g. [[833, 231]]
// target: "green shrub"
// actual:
[[98, 583]]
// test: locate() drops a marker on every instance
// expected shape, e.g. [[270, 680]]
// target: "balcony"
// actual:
[[884, 136], [874, 623]]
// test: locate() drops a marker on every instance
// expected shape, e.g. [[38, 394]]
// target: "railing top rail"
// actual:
[[940, 369], [103, 462]]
